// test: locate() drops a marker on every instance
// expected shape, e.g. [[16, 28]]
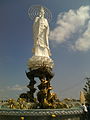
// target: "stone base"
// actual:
[[42, 114]]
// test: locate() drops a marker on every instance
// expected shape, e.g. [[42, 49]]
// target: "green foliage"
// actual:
[[87, 90]]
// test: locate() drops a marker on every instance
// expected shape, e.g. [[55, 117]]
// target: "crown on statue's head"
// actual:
[[41, 11], [36, 10]]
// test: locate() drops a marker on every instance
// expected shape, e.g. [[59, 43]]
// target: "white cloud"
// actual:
[[83, 43], [13, 88], [16, 88], [70, 23], [14, 91]]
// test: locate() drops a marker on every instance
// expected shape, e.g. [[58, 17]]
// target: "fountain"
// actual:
[[46, 105]]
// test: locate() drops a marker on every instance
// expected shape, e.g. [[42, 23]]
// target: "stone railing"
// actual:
[[42, 114]]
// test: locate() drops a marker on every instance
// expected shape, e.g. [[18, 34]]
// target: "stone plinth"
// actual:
[[42, 114]]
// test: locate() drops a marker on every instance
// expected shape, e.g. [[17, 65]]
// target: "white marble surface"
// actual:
[[40, 35]]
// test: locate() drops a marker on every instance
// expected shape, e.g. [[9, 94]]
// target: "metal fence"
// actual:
[[42, 114]]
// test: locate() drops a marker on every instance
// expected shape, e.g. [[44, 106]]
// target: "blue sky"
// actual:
[[69, 43]]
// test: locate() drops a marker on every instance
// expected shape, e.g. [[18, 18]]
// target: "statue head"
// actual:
[[41, 12]]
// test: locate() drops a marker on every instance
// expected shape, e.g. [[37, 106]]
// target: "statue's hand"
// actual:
[[37, 42]]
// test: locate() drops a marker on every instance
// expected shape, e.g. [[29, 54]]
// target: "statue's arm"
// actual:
[[34, 24], [47, 33], [36, 19], [35, 30]]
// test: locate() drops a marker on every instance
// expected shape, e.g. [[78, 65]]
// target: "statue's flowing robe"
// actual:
[[40, 36]]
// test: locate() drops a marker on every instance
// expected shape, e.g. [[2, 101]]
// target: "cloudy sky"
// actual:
[[69, 42]]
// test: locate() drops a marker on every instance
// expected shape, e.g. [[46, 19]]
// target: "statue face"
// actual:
[[41, 13]]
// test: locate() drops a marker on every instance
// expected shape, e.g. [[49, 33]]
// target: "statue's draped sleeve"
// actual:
[[35, 30]]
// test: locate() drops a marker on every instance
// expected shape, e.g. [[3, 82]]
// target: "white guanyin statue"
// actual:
[[41, 50], [40, 35]]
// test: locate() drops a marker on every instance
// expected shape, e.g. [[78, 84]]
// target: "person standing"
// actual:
[[88, 108], [85, 111]]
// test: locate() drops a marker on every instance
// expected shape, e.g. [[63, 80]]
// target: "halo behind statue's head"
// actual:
[[34, 11]]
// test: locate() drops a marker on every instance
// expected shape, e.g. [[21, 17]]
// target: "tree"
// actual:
[[87, 90]]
